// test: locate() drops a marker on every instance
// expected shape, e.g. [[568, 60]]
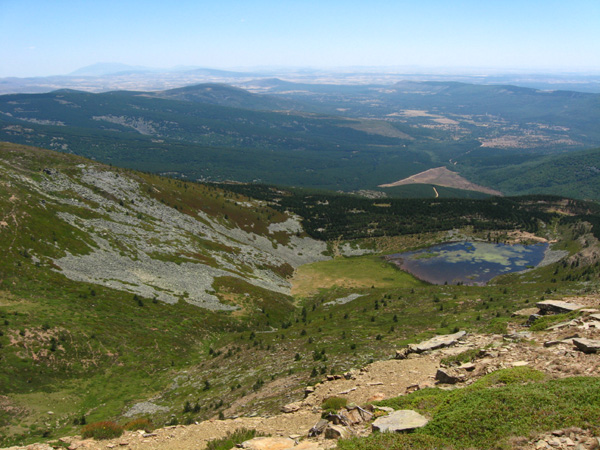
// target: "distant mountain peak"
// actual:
[[107, 68]]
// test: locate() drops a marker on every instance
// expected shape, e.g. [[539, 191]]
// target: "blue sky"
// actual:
[[47, 37]]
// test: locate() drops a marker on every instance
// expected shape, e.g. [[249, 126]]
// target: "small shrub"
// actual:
[[102, 430], [546, 321], [334, 404], [188, 420], [464, 357], [232, 439], [139, 424]]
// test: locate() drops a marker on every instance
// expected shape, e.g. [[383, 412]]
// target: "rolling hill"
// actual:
[[125, 294], [336, 137]]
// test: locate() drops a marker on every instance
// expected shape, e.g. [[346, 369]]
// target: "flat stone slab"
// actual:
[[587, 345], [268, 443], [558, 326], [437, 342], [557, 306], [402, 420]]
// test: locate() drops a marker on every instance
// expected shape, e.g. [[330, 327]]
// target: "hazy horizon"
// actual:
[[539, 36]]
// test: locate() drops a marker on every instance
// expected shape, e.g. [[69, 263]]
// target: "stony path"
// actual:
[[382, 379]]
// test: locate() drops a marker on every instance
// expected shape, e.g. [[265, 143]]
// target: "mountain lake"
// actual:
[[472, 263]]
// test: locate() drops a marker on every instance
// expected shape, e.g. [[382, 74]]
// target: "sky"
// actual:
[[54, 37]]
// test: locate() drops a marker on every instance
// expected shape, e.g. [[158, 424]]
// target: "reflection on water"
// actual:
[[468, 262]]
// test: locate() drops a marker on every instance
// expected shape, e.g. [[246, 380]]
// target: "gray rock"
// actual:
[[553, 343], [587, 345], [402, 353], [518, 335], [557, 307], [402, 420], [145, 408], [437, 342], [318, 428], [290, 408], [355, 415], [449, 376], [336, 432]]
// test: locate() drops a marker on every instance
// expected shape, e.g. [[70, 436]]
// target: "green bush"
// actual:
[[395, 441], [334, 404], [546, 321], [465, 357], [102, 430]]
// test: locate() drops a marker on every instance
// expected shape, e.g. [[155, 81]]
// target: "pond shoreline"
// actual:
[[473, 262]]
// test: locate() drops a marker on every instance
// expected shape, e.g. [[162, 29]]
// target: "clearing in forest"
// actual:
[[441, 176], [354, 272]]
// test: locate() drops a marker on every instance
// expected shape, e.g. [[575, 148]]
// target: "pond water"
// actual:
[[468, 262]]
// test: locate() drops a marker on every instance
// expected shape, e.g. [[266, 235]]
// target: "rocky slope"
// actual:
[[135, 242], [556, 352]]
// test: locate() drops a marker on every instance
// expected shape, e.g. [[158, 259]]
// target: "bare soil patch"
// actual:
[[441, 176]]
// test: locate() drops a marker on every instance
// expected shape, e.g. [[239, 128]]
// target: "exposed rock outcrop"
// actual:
[[401, 420]]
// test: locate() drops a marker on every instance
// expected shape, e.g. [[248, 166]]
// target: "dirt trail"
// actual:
[[383, 378]]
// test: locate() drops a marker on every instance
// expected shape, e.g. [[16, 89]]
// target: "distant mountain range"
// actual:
[[337, 137], [101, 77]]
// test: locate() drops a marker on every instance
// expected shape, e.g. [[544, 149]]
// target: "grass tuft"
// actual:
[[232, 439], [334, 404]]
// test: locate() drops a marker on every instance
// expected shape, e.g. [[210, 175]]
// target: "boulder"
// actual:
[[519, 335], [402, 420], [557, 307], [318, 428], [350, 375], [449, 376], [268, 443], [376, 397], [587, 345], [519, 364], [437, 342], [336, 432], [290, 408], [402, 353], [533, 318], [412, 388], [558, 342], [356, 415]]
